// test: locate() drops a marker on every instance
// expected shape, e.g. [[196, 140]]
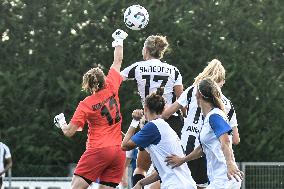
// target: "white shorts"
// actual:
[[229, 184], [233, 184]]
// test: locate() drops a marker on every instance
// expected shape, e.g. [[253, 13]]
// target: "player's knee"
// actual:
[[79, 183], [139, 170]]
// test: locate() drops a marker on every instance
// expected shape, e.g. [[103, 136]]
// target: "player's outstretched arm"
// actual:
[[118, 36], [176, 161], [171, 109], [233, 170]]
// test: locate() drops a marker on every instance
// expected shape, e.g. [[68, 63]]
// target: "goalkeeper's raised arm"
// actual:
[[118, 36]]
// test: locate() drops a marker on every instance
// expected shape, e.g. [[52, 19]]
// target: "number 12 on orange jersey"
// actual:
[[106, 112]]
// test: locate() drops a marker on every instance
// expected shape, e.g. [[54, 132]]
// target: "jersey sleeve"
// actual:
[[129, 154], [219, 125], [183, 99], [114, 79], [178, 77], [129, 72], [7, 152], [79, 117], [148, 135]]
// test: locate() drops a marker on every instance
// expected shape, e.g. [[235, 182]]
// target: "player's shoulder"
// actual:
[[153, 124], [113, 71], [227, 102], [87, 99], [190, 91], [224, 97], [131, 66], [217, 112], [4, 145], [91, 100], [160, 123], [190, 88]]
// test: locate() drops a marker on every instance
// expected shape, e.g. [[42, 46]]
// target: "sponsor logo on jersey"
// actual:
[[193, 129], [157, 69]]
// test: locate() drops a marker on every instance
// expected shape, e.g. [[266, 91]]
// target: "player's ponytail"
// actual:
[[214, 70], [93, 80], [160, 91], [156, 102], [211, 92], [156, 45]]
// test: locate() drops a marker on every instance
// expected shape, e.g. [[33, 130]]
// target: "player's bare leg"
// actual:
[[143, 164], [79, 183]]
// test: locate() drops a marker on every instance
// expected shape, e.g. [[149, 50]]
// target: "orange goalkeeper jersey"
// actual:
[[101, 111]]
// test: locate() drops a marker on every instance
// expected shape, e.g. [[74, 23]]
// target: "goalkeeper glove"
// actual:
[[59, 120], [118, 36]]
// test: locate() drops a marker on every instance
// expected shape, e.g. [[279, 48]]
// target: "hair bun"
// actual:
[[160, 91], [161, 42]]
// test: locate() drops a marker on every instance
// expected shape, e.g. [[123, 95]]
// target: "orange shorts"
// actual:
[[106, 163]]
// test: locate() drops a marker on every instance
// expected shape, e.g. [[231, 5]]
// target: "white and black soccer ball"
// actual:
[[136, 17]]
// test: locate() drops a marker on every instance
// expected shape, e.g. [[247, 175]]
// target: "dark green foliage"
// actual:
[[52, 43]]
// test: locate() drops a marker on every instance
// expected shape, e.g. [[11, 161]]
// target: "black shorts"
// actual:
[[198, 169], [176, 123], [1, 181]]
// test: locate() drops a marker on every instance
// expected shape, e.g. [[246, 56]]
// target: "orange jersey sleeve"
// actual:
[[79, 117], [114, 80]]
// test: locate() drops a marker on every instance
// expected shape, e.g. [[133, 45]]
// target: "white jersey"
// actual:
[[193, 121], [152, 74], [4, 154], [160, 141], [215, 125]]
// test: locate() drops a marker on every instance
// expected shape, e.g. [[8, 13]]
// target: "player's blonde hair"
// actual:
[[214, 70], [93, 80], [211, 92], [156, 45]]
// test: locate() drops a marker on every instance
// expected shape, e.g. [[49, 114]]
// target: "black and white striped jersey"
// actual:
[[194, 118], [152, 74]]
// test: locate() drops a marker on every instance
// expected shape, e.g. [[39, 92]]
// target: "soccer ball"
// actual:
[[136, 17]]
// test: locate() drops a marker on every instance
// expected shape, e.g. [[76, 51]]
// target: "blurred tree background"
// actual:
[[46, 47]]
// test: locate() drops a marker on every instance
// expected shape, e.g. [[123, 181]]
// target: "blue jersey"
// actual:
[[160, 141], [215, 125]]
